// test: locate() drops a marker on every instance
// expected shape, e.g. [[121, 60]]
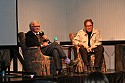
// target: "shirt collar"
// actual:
[[93, 32], [36, 33]]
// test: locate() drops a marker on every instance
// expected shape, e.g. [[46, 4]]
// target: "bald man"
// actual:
[[47, 48]]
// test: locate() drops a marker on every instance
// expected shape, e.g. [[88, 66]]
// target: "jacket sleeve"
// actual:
[[78, 40], [97, 40]]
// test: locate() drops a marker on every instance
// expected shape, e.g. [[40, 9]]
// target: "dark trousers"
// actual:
[[99, 56], [54, 50], [75, 53]]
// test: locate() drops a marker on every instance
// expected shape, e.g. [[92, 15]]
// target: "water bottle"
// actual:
[[3, 73], [56, 40]]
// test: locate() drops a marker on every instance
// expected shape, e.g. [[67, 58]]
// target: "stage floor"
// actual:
[[113, 77]]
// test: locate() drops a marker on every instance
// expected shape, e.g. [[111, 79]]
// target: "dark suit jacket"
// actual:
[[31, 39]]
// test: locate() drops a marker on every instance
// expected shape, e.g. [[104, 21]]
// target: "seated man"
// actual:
[[88, 39], [35, 38]]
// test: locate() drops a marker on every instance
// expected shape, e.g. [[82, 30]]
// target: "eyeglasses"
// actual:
[[88, 25], [35, 26]]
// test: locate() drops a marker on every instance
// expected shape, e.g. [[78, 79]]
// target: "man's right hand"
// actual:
[[89, 49], [45, 44]]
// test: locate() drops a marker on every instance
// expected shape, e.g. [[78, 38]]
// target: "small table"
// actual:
[[69, 49]]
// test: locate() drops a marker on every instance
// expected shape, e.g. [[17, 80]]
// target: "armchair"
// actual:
[[4, 59], [80, 67], [33, 59]]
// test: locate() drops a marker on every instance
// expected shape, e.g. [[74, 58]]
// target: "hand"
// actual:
[[45, 44], [44, 37], [89, 49], [80, 44], [43, 57]]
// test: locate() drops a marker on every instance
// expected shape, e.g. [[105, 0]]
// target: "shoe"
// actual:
[[63, 73], [73, 63], [97, 68], [67, 60], [88, 69]]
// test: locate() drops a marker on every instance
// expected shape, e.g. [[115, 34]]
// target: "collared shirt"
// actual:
[[82, 36], [36, 33]]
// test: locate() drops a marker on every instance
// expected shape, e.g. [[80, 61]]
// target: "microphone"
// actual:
[[45, 40], [42, 31]]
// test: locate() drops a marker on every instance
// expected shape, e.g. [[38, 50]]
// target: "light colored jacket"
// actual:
[[82, 36]]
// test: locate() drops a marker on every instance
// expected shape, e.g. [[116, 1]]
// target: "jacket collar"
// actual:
[[93, 32]]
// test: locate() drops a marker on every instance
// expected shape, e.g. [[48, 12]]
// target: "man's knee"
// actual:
[[55, 43], [101, 48], [54, 52], [82, 49]]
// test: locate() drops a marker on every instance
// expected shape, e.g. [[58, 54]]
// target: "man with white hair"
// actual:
[[35, 38]]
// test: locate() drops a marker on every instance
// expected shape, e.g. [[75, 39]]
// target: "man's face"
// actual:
[[35, 27], [89, 26]]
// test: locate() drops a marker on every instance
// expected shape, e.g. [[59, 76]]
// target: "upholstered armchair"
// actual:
[[34, 62], [80, 67], [4, 59]]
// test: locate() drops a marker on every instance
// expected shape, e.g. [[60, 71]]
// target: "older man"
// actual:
[[36, 38]]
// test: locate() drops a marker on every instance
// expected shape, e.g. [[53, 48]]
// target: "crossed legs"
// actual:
[[54, 50]]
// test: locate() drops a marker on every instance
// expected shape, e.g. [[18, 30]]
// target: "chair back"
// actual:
[[21, 39], [72, 35], [32, 58]]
